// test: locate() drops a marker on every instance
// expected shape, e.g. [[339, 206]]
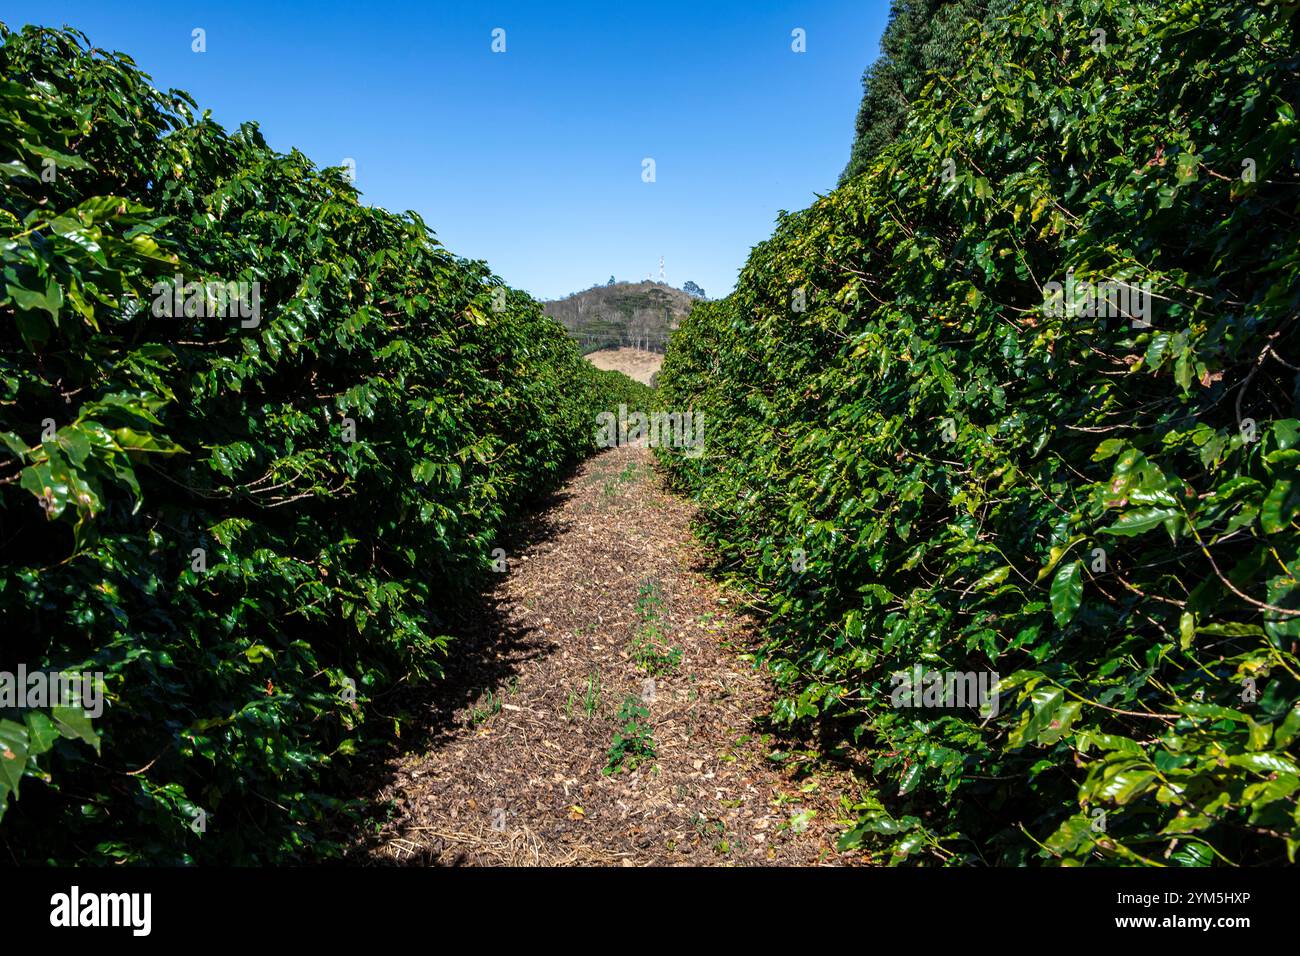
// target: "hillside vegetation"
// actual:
[[638, 315], [256, 525], [912, 462]]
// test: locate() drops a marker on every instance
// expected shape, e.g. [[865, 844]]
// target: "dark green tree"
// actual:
[[923, 38]]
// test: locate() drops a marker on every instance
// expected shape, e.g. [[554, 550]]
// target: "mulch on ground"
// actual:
[[515, 775]]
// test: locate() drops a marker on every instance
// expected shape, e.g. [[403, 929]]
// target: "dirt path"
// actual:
[[610, 590]]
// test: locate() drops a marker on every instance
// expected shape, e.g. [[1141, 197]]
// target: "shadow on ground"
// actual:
[[485, 653]]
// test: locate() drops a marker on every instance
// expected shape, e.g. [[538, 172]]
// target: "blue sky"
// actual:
[[532, 159]]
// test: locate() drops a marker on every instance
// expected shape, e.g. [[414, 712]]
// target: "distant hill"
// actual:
[[637, 315]]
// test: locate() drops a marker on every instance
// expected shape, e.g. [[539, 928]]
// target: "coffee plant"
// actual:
[[255, 523], [1097, 503]]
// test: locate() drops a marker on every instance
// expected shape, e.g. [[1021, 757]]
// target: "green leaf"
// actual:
[[1265, 763], [1067, 592], [1140, 520], [1045, 701], [41, 732], [50, 300], [994, 577], [73, 723], [1289, 729], [13, 759], [1127, 784], [1279, 507]]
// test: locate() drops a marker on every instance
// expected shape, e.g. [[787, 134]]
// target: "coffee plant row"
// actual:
[[1021, 399], [259, 441]]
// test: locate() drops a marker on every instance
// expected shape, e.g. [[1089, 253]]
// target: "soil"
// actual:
[[635, 363], [516, 774]]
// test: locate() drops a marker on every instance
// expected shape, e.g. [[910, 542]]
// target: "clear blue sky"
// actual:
[[532, 159]]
